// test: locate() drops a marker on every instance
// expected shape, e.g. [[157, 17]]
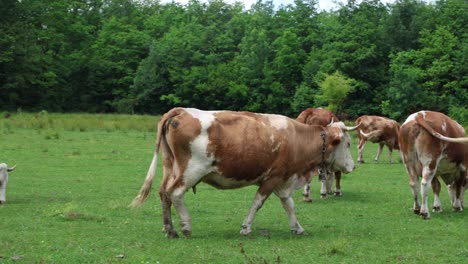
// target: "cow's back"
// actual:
[[418, 141], [237, 146], [317, 116]]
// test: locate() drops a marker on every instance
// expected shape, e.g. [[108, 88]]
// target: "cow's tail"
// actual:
[[371, 134], [422, 122], [146, 188]]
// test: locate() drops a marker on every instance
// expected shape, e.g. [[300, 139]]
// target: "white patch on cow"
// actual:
[[277, 121], [275, 148], [272, 138], [200, 164], [293, 183], [410, 118], [206, 117], [221, 182], [444, 127]]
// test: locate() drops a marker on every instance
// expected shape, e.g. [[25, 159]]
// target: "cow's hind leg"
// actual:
[[177, 198], [414, 184], [379, 152], [427, 176], [166, 204], [164, 195], [360, 147]]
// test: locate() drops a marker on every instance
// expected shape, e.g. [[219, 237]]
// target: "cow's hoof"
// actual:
[[338, 194], [246, 230], [416, 211], [187, 233], [425, 216], [307, 199], [171, 234], [323, 195], [457, 209], [436, 209], [298, 232], [360, 161], [2, 202]]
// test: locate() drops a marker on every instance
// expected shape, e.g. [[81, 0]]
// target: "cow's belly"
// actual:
[[448, 171], [221, 182]]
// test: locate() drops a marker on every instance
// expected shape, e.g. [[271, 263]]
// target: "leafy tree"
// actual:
[[426, 78], [333, 91]]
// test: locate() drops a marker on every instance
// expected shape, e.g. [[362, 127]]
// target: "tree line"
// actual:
[[142, 56]]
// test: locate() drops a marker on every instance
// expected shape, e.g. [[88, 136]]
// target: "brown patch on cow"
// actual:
[[317, 116], [242, 145]]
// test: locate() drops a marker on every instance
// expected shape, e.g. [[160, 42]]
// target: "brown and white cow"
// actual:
[[321, 117], [434, 145], [380, 130], [4, 170], [236, 149]]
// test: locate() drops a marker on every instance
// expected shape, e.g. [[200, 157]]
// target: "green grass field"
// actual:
[[76, 174]]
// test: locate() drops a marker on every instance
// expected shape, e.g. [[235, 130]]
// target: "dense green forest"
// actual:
[[130, 56]]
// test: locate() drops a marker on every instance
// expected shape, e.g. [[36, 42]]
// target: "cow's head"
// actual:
[[337, 143]]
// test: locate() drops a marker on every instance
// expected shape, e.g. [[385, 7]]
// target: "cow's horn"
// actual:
[[11, 169]]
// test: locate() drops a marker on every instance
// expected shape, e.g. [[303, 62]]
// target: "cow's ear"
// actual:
[[336, 141]]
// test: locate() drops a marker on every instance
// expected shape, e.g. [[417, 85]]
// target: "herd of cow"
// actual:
[[236, 149]]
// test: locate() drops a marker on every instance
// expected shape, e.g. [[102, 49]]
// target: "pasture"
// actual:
[[67, 202]]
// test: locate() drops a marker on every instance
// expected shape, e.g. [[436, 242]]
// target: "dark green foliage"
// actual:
[[131, 56]]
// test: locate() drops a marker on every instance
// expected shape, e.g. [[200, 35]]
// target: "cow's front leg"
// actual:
[[288, 205], [306, 193], [437, 206], [337, 183], [256, 205], [456, 192], [323, 189]]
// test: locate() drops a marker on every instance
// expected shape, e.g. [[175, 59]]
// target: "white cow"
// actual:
[[4, 180]]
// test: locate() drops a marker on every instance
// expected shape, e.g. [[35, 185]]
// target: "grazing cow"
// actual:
[[380, 130], [432, 145], [321, 117], [4, 170], [236, 149]]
